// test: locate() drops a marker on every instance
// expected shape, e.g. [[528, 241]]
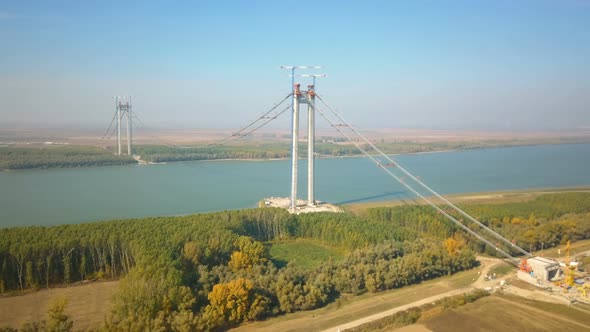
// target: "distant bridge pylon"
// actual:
[[124, 110]]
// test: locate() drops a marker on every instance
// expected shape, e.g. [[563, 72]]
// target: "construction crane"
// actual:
[[569, 268]]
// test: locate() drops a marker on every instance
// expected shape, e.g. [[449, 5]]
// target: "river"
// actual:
[[75, 195]]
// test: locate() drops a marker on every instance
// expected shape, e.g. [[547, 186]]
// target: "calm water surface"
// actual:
[[49, 197]]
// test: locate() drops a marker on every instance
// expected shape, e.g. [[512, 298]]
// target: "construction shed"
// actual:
[[543, 268]]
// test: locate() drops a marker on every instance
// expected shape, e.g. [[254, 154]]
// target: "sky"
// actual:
[[497, 65]]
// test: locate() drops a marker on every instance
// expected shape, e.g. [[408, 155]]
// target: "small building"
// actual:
[[543, 268]]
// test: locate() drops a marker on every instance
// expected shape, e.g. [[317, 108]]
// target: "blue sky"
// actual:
[[412, 64]]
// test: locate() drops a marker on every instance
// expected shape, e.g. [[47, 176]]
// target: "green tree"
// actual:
[[83, 267], [67, 261], [29, 276], [57, 320], [250, 253]]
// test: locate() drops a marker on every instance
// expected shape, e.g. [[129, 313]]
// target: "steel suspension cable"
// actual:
[[269, 119], [263, 116], [154, 137], [443, 212], [108, 128], [239, 134], [465, 214]]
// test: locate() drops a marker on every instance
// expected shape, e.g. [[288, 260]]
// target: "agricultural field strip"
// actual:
[[545, 313], [488, 264]]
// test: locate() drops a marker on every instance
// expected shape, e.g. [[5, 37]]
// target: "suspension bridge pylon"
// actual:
[[123, 108]]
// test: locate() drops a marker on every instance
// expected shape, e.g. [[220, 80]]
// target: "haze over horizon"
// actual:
[[494, 65]]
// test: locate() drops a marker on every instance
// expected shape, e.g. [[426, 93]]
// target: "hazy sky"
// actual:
[[434, 64]]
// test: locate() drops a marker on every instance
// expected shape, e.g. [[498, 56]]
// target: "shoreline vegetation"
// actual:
[[41, 157], [478, 197], [179, 272]]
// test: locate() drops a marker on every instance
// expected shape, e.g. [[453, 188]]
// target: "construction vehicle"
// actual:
[[524, 266]]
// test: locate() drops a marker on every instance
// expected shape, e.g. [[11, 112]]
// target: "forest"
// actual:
[[546, 221], [213, 271], [162, 153], [56, 157]]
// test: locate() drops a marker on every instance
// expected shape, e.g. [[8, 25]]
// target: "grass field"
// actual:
[[503, 269], [499, 197], [559, 251], [509, 313], [304, 253], [87, 305]]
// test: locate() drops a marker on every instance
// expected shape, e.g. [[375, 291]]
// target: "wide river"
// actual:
[[74, 195]]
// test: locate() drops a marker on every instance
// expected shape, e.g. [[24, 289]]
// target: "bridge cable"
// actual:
[[429, 202], [236, 135], [108, 129], [465, 214], [269, 119], [263, 116]]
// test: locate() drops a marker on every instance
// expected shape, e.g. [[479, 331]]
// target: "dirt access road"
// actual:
[[487, 264], [356, 310]]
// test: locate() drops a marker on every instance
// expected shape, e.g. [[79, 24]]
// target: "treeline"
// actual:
[[210, 271], [49, 157], [40, 256], [55, 157], [249, 287], [547, 221], [162, 153], [253, 150]]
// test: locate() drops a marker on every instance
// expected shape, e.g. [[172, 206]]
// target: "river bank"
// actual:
[[44, 157], [484, 197]]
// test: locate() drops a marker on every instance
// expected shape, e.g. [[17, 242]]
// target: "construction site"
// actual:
[[564, 276]]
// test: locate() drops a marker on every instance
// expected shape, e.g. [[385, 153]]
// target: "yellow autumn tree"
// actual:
[[250, 253], [454, 244], [192, 252], [229, 302]]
